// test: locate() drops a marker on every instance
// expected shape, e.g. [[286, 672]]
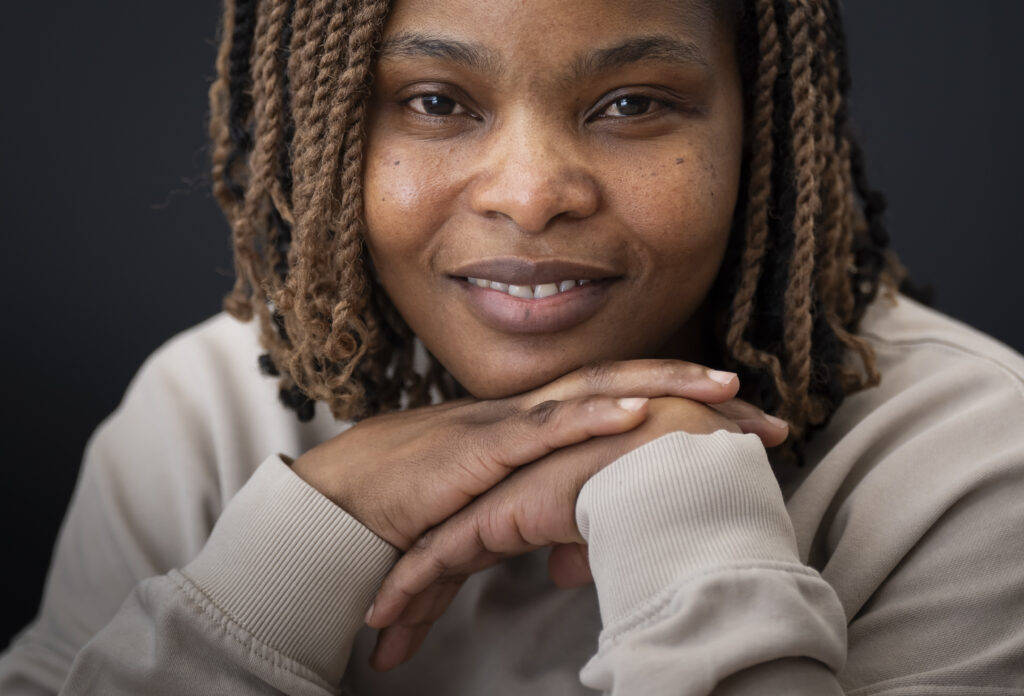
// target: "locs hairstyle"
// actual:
[[806, 256]]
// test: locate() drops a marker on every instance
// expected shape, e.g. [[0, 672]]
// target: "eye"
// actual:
[[630, 105], [435, 105]]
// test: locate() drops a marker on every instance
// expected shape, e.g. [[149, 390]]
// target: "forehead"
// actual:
[[496, 36], [693, 14]]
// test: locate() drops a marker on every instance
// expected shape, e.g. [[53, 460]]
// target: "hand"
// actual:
[[402, 473], [533, 508]]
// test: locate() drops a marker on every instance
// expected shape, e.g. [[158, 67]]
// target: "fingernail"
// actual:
[[777, 422], [369, 614], [632, 404], [723, 378]]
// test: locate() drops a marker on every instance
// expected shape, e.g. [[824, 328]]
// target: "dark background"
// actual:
[[112, 242]]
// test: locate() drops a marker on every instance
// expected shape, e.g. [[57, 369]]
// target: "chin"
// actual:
[[504, 376], [501, 382], [501, 387]]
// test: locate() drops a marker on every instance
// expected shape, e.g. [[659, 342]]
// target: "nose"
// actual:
[[533, 174]]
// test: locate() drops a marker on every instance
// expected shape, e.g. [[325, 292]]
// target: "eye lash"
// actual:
[[407, 101], [661, 104], [672, 103]]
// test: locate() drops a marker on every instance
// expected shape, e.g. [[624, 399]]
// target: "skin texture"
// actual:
[[487, 139], [536, 162]]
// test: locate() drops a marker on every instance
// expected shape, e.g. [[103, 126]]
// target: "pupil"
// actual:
[[632, 106], [436, 105]]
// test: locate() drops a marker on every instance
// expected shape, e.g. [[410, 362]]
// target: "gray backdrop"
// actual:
[[112, 243]]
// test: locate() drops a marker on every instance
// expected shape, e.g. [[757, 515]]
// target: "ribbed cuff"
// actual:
[[679, 506], [292, 569]]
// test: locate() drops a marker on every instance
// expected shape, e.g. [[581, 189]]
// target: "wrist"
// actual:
[[291, 570], [677, 507], [344, 488]]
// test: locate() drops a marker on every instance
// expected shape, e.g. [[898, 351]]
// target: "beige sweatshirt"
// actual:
[[893, 564]]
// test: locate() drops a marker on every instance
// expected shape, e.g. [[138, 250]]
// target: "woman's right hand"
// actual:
[[402, 473]]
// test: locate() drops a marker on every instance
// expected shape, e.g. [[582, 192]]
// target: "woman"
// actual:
[[573, 207]]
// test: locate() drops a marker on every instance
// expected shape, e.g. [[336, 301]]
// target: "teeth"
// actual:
[[546, 290], [527, 292]]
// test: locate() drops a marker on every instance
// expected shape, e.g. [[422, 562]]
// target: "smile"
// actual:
[[534, 309], [528, 292]]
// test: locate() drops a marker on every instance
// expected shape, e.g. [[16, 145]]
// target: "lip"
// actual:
[[514, 315], [520, 271]]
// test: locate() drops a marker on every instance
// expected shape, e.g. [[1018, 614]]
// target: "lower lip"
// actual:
[[509, 314]]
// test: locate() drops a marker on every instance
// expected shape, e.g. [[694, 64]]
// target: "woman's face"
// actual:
[[551, 183]]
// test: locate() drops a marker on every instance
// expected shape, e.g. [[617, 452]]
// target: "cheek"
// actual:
[[392, 194], [681, 207], [404, 200]]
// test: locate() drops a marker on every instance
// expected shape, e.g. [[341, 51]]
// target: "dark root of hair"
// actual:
[[809, 249]]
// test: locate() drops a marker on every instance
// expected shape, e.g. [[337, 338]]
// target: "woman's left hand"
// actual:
[[533, 508]]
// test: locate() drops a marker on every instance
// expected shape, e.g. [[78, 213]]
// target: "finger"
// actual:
[[455, 549], [399, 642], [432, 602], [396, 644], [650, 378], [527, 435], [772, 431], [569, 566], [529, 510]]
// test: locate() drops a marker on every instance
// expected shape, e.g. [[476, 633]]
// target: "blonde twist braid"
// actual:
[[335, 335], [798, 321], [758, 211]]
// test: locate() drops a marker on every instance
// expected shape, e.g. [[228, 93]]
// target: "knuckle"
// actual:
[[677, 373], [483, 453], [592, 404], [429, 560], [424, 547], [686, 370], [542, 414], [600, 374], [475, 452]]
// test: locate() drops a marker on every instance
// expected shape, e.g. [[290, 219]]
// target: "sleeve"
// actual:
[[270, 605], [179, 570], [935, 491], [698, 577]]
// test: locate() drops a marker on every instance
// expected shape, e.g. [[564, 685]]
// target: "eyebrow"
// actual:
[[640, 48], [412, 45], [478, 57]]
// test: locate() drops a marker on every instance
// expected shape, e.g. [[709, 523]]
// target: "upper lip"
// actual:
[[520, 271]]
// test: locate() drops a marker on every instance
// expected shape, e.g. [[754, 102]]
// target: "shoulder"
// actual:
[[939, 379], [206, 370], [911, 509], [199, 409], [943, 426], [939, 435], [902, 329], [946, 389]]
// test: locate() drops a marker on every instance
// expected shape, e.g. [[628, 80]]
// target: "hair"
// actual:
[[807, 254]]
